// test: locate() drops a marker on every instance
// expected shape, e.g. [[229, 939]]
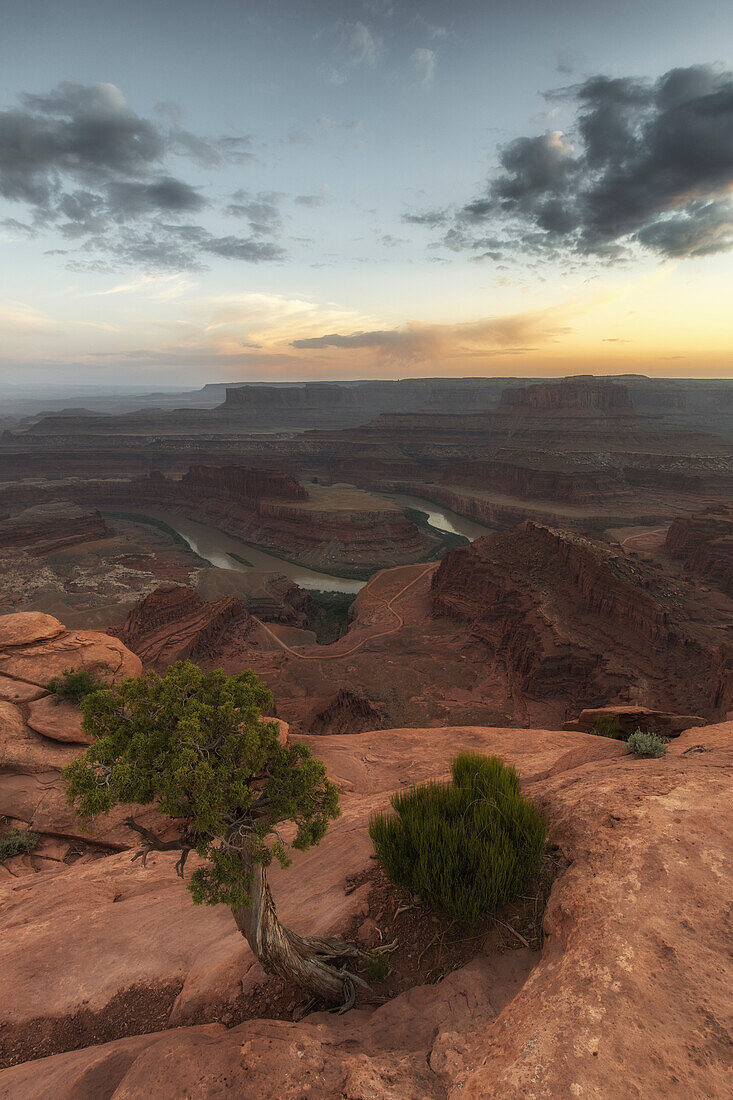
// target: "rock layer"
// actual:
[[570, 619]]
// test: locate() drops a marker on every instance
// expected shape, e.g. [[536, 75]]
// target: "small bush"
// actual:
[[465, 847], [608, 726], [646, 744], [376, 966], [16, 842], [74, 684]]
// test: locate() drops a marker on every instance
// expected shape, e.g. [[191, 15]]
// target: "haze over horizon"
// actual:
[[196, 193]]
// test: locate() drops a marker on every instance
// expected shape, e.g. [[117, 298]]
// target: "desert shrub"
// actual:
[[464, 847], [16, 842], [376, 966], [646, 744], [74, 684], [608, 725]]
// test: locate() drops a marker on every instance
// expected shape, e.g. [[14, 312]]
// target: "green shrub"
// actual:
[[376, 966], [464, 847], [608, 725], [74, 684], [646, 744], [16, 842]]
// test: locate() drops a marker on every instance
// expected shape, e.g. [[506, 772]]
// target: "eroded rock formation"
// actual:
[[174, 623], [569, 619], [704, 543]]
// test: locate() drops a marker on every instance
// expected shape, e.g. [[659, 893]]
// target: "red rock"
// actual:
[[174, 623], [635, 953], [26, 627], [704, 543], [633, 718], [58, 720], [41, 661], [47, 534], [569, 619]]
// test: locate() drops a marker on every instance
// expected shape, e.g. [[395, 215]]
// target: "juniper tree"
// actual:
[[194, 745]]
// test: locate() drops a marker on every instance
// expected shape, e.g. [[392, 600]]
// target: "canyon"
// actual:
[[589, 592]]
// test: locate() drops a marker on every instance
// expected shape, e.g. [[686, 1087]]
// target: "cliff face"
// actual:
[[572, 395], [567, 618], [704, 543], [174, 623], [43, 534], [540, 482], [240, 484]]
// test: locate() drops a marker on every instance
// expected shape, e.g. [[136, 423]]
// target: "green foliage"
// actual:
[[465, 847], [376, 966], [646, 744], [608, 725], [332, 614], [16, 842], [194, 744], [74, 684]]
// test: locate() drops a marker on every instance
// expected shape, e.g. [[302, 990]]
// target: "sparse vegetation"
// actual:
[[646, 744], [151, 521], [332, 614], [464, 847], [194, 744], [376, 965], [74, 684], [240, 559], [17, 842], [608, 726]]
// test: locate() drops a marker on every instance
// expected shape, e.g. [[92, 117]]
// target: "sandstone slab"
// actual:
[[99, 653], [57, 720], [26, 627], [630, 998]]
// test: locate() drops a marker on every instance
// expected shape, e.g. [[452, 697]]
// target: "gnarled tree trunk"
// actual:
[[315, 963]]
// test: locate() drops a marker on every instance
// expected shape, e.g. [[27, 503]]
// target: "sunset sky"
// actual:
[[195, 192]]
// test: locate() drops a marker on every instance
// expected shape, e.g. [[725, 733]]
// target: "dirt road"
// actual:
[[371, 637]]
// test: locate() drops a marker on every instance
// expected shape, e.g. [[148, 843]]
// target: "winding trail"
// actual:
[[642, 535], [370, 638]]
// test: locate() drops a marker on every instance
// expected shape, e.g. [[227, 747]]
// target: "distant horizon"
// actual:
[[362, 188]]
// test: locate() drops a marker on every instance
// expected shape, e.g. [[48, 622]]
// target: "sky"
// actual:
[[196, 191]]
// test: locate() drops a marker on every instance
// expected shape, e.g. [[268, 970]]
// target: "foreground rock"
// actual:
[[630, 719], [39, 734], [630, 996]]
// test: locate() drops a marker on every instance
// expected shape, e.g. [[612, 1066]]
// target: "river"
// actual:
[[221, 550]]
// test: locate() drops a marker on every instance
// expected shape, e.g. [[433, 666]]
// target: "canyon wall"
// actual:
[[567, 618]]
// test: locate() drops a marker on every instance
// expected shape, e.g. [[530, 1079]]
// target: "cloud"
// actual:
[[423, 62], [420, 341], [431, 218], [358, 45], [648, 163], [261, 210], [85, 165], [319, 197], [355, 46]]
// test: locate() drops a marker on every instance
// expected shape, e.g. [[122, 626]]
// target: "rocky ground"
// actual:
[[629, 996]]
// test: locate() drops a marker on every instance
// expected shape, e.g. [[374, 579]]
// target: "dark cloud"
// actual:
[[647, 163], [417, 341], [85, 164]]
